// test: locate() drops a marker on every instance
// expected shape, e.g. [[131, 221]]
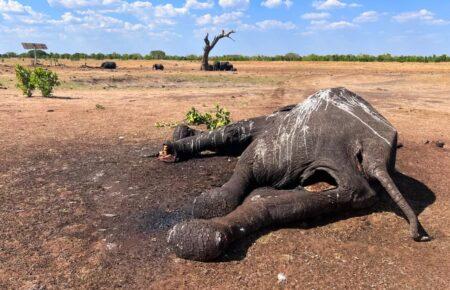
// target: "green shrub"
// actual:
[[99, 107], [45, 80], [221, 118], [194, 117], [24, 80], [214, 120]]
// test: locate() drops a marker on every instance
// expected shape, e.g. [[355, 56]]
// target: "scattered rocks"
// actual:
[[37, 287], [281, 278], [109, 215], [98, 175], [111, 246], [440, 144]]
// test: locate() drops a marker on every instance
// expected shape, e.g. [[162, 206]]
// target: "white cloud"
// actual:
[[141, 15], [13, 6], [162, 14], [204, 20], [354, 5], [194, 4], [225, 18], [82, 3], [331, 4], [421, 15], [275, 24], [14, 11], [124, 6], [140, 4], [326, 25], [315, 16], [134, 8], [236, 4], [268, 24], [368, 16], [92, 20], [20, 33], [168, 10], [276, 3]]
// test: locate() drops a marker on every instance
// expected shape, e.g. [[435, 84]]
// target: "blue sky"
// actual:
[[419, 27]]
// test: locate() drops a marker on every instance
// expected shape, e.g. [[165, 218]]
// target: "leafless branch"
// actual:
[[210, 45]]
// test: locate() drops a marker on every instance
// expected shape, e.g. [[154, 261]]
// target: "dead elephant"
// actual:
[[158, 66], [302, 161], [108, 65], [223, 66]]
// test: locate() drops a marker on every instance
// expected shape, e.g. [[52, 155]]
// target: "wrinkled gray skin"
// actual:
[[333, 136]]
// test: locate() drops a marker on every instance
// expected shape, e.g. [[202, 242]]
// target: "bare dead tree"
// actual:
[[210, 45]]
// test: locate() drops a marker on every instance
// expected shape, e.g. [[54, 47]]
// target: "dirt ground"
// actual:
[[81, 207]]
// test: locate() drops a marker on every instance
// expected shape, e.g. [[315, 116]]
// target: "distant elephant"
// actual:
[[108, 65], [158, 66], [223, 66], [302, 161]]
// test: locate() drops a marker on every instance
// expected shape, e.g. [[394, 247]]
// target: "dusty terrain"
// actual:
[[80, 207]]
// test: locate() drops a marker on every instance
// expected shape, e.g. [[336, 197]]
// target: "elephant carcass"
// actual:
[[334, 138], [108, 65], [158, 66], [223, 66]]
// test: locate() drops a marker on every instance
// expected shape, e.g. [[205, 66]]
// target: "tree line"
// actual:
[[159, 54]]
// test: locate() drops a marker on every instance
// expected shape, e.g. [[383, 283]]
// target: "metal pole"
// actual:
[[35, 57]]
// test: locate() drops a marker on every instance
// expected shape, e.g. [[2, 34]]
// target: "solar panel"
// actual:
[[27, 45]]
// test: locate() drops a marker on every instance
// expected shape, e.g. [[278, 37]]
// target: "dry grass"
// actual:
[[66, 166]]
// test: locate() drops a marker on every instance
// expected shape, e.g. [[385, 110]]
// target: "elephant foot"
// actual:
[[199, 240], [167, 154], [215, 202]]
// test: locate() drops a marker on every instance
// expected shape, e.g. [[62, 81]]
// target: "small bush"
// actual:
[[45, 81], [214, 120], [221, 118], [194, 117], [24, 80], [99, 107]]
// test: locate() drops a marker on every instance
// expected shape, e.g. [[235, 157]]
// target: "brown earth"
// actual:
[[80, 207]]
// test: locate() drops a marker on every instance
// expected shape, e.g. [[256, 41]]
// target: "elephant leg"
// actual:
[[207, 239], [222, 200], [184, 131], [232, 138]]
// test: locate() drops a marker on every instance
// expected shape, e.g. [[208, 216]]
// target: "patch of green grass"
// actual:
[[166, 124], [222, 78]]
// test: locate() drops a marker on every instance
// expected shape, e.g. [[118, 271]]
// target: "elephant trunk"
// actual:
[[417, 232]]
